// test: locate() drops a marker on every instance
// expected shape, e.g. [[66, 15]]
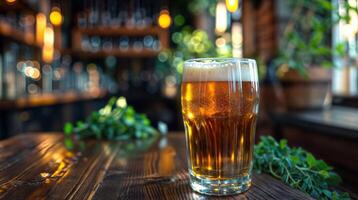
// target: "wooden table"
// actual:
[[331, 135], [39, 166], [336, 121]]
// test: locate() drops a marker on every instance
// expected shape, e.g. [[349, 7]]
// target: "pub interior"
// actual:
[[61, 60]]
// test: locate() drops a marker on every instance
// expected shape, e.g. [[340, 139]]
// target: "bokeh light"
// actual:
[[55, 16], [179, 20], [48, 48], [232, 5], [40, 27], [10, 1], [164, 19], [29, 70], [221, 18], [220, 42]]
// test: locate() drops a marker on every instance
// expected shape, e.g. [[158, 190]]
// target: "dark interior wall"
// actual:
[[259, 25]]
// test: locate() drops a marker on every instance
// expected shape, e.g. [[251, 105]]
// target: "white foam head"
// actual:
[[220, 69]]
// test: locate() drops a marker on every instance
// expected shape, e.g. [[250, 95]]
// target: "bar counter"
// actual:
[[41, 166]]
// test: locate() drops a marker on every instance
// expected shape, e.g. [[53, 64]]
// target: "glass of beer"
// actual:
[[220, 98]]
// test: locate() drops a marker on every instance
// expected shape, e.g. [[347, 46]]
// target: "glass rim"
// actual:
[[204, 61]]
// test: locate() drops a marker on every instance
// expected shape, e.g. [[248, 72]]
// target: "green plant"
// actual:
[[307, 36], [116, 120], [189, 43], [298, 168], [196, 6]]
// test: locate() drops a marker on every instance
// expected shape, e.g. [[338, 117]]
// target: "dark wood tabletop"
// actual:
[[336, 121], [330, 134], [41, 166]]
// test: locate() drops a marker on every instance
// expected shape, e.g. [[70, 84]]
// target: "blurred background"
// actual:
[[60, 60]]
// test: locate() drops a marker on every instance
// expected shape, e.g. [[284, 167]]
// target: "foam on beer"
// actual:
[[226, 70]]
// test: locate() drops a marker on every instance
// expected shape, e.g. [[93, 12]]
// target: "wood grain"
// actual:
[[40, 167]]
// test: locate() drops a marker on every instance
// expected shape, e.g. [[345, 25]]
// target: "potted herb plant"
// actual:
[[305, 59]]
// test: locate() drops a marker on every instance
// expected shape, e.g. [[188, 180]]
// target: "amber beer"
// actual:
[[219, 106]]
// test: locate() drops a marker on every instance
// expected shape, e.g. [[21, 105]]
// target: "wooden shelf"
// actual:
[[51, 99], [6, 30], [78, 33], [109, 31], [19, 5], [115, 52]]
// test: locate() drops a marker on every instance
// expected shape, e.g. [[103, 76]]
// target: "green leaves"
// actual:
[[325, 4], [115, 121], [68, 128], [340, 48], [311, 161], [297, 167], [306, 41], [190, 43]]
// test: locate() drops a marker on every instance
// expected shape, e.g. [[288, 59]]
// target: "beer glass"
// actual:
[[220, 99]]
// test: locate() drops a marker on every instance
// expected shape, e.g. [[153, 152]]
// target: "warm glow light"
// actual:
[[236, 39], [47, 54], [10, 1], [232, 5], [349, 30], [48, 48], [353, 15], [164, 19], [36, 74], [28, 71], [190, 115], [170, 89], [49, 37], [40, 27], [221, 18], [55, 16], [220, 42], [32, 72]]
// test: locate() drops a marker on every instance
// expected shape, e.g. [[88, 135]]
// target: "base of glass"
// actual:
[[220, 187]]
